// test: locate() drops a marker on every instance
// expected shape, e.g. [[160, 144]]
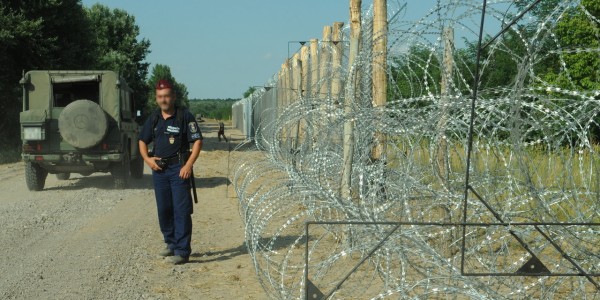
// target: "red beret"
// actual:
[[163, 84]]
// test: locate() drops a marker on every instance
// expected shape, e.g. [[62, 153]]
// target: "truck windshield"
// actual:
[[65, 93]]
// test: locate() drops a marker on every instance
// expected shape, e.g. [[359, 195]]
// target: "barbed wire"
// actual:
[[534, 160]]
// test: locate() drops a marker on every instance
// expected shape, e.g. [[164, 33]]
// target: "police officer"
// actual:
[[172, 129]]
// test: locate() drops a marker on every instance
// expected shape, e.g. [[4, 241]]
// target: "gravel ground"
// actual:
[[80, 239]]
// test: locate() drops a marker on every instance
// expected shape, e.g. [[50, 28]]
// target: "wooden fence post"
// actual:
[[304, 68], [296, 81], [314, 68], [288, 83], [336, 58], [379, 67], [353, 75], [279, 91], [285, 96], [296, 92], [324, 62], [442, 142], [304, 86]]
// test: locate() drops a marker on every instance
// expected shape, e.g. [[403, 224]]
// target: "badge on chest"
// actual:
[[172, 131]]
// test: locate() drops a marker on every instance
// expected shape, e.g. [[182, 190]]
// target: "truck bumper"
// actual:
[[74, 163], [72, 159]]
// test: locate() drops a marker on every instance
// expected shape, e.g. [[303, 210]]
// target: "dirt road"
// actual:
[[80, 239]]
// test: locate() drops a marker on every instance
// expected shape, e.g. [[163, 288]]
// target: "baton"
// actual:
[[193, 182]]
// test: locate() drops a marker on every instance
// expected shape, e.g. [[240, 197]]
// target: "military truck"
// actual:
[[78, 122]]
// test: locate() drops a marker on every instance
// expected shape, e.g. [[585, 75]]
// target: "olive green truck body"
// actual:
[[78, 122]]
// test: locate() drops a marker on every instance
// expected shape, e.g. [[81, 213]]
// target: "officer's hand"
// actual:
[[151, 162], [186, 172]]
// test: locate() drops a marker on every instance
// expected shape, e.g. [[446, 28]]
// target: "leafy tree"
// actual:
[[164, 72], [563, 45], [411, 72], [65, 28], [117, 47], [37, 35], [498, 67], [570, 69], [64, 35], [578, 31], [249, 92], [15, 30], [541, 10]]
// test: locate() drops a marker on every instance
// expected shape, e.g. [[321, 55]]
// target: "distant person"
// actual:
[[222, 131], [172, 129]]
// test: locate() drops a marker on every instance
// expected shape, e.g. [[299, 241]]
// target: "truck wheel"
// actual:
[[83, 124], [63, 176], [35, 176], [120, 172], [137, 168]]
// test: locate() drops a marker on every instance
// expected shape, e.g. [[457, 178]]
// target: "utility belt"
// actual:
[[173, 159]]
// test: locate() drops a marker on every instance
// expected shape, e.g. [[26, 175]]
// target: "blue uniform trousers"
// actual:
[[174, 205]]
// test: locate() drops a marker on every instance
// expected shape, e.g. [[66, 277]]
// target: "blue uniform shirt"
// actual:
[[171, 134]]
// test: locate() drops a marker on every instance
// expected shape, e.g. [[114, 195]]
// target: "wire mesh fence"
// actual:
[[524, 226]]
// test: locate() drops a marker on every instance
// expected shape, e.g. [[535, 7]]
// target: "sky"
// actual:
[[220, 48]]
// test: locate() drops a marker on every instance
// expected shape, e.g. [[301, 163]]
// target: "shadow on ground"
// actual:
[[105, 182], [211, 182], [101, 181], [212, 144], [212, 256]]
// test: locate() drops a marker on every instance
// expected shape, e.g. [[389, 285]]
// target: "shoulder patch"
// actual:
[[192, 126]]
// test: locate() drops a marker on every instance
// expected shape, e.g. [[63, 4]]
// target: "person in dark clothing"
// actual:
[[222, 131], [172, 129]]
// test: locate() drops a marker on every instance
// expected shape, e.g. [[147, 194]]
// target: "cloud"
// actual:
[[268, 55]]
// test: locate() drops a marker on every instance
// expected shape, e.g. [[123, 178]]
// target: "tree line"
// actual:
[[574, 30], [65, 35], [219, 109], [561, 63]]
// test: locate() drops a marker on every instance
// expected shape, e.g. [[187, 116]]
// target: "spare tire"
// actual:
[[82, 124]]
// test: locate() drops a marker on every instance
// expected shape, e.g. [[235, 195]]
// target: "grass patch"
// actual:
[[532, 182]]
